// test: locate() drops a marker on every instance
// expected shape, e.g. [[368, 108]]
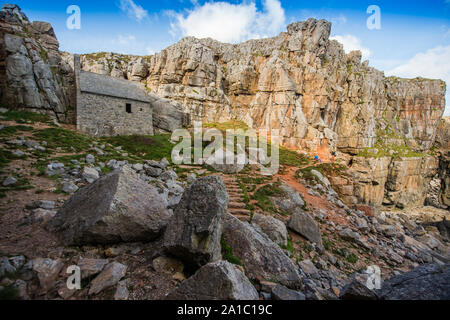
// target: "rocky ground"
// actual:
[[142, 229]]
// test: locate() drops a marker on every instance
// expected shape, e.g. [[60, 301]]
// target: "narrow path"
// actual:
[[237, 206]]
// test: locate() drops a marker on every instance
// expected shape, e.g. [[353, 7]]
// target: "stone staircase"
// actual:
[[237, 206]]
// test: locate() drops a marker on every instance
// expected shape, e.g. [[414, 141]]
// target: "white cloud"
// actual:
[[125, 40], [126, 44], [230, 22], [341, 19], [133, 10], [434, 64], [352, 43]]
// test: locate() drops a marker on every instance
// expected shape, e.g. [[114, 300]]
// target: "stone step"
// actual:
[[241, 212], [236, 205], [235, 195], [243, 218], [234, 190]]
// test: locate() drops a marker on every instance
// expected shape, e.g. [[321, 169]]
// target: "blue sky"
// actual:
[[414, 38]]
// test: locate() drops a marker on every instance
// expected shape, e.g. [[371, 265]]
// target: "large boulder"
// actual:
[[273, 228], [116, 208], [168, 115], [194, 232], [226, 161], [356, 290], [216, 281], [302, 223], [261, 257], [427, 282]]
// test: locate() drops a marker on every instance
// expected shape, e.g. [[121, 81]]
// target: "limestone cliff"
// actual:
[[32, 74], [320, 98], [442, 180], [299, 82]]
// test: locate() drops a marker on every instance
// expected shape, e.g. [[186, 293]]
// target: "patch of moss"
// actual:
[[26, 117], [289, 247], [263, 195], [227, 253], [20, 185], [229, 125], [326, 169], [12, 130], [154, 147], [292, 158], [65, 139], [352, 258]]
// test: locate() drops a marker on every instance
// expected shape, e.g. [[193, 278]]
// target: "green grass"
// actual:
[[352, 258], [20, 185], [383, 149], [227, 253], [12, 130], [26, 117], [229, 125], [263, 195], [6, 157], [292, 158], [67, 140], [147, 147], [289, 247], [248, 206], [326, 169]]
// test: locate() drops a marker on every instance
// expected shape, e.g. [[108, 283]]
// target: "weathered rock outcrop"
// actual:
[[427, 282], [302, 223], [117, 208], [216, 281], [262, 258], [194, 232], [443, 176], [399, 182], [32, 74], [299, 82]]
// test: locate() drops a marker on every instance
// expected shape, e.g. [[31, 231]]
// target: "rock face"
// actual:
[[116, 208], [427, 282], [216, 281], [108, 278], [33, 75], [273, 228], [262, 258], [302, 223], [401, 182], [300, 82], [193, 234], [444, 175]]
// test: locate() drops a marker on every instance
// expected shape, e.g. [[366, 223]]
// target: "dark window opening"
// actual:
[[128, 107]]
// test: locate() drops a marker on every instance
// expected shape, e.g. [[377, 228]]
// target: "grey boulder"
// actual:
[[193, 234], [303, 224], [116, 208], [427, 282], [273, 228], [216, 281], [282, 293], [261, 257]]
